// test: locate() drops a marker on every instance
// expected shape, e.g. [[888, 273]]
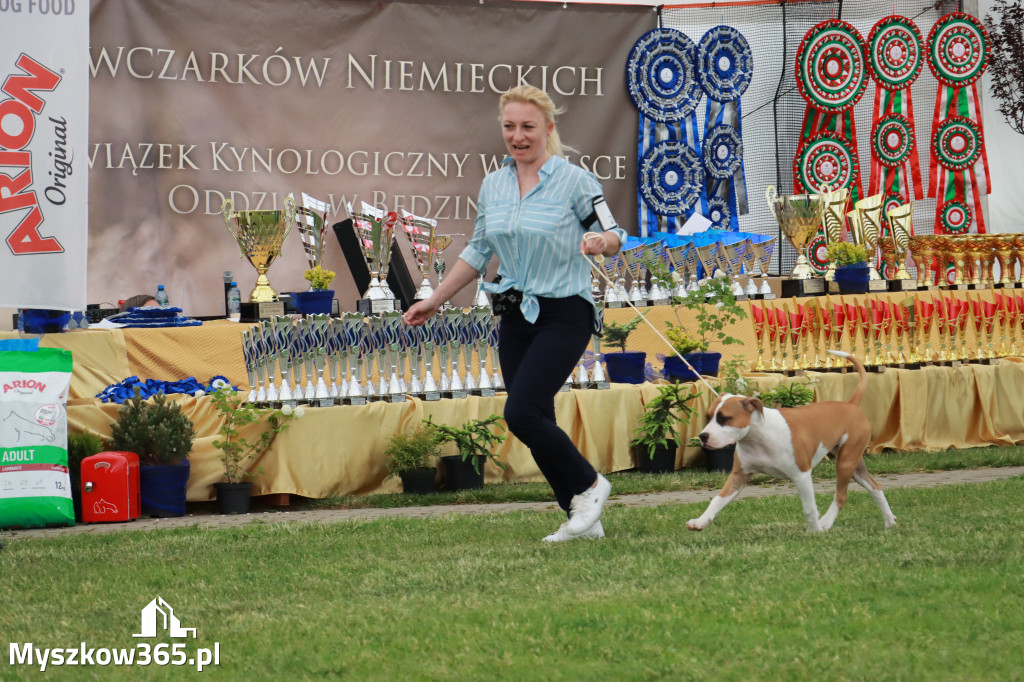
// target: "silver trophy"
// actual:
[[374, 230], [453, 324], [633, 258], [356, 334], [312, 221], [321, 329], [731, 255], [483, 319], [420, 233], [431, 333], [749, 257], [390, 324], [764, 251]]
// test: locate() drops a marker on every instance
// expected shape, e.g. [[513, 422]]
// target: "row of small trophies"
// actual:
[[744, 257], [916, 331], [369, 358]]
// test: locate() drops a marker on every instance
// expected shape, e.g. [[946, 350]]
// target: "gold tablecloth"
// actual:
[[340, 450]]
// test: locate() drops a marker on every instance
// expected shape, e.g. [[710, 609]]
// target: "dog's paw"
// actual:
[[696, 524]]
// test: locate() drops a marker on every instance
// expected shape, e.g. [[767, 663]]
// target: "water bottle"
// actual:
[[234, 303], [228, 276], [161, 296]]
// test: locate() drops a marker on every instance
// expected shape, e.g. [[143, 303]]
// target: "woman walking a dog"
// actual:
[[537, 214]]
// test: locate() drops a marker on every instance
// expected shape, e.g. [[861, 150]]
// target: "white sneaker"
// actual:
[[563, 535], [585, 508]]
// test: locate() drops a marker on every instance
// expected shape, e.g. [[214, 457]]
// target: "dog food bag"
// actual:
[[35, 489]]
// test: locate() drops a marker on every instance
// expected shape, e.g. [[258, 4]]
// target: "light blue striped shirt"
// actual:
[[536, 238]]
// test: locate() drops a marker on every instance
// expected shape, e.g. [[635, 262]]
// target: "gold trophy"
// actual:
[[900, 229], [868, 230], [1003, 247], [958, 254], [922, 250], [833, 217], [975, 247], [988, 262], [260, 235], [1017, 257], [799, 217]]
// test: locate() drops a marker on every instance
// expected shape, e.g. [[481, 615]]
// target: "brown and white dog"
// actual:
[[789, 442]]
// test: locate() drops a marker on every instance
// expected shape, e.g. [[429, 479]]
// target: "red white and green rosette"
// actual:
[[889, 202], [895, 52], [957, 143], [955, 218], [892, 140], [825, 159], [830, 69], [957, 45], [817, 254]]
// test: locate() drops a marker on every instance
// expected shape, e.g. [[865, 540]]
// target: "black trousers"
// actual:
[[536, 359]]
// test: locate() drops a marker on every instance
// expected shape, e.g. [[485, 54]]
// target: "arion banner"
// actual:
[[44, 179], [392, 103]]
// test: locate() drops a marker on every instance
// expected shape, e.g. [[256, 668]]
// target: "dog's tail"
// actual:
[[862, 385]]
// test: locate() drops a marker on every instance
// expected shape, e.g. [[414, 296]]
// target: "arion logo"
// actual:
[[159, 613]]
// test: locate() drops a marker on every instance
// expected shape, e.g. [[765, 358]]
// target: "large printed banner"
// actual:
[[395, 104], [44, 124]]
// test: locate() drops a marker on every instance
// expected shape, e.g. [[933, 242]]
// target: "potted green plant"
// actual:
[[158, 432], [791, 394], [412, 457], [475, 441], [318, 300], [851, 261], [714, 309], [80, 446], [623, 367], [237, 452], [655, 434]]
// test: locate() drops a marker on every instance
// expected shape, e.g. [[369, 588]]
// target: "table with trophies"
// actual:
[[942, 348]]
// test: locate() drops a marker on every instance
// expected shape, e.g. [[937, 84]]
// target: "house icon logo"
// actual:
[[159, 612]]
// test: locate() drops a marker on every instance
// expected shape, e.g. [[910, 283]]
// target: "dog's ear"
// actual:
[[753, 405]]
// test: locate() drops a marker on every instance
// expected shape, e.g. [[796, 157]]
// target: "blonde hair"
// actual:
[[528, 94]]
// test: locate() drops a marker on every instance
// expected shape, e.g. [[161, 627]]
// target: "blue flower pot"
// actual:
[[852, 279], [314, 302], [703, 364], [625, 368]]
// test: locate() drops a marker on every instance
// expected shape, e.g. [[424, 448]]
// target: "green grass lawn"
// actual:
[[753, 597]]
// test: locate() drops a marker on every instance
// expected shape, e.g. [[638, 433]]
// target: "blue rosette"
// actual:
[[725, 64], [661, 77], [671, 177]]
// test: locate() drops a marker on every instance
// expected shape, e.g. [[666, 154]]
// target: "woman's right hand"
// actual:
[[419, 312]]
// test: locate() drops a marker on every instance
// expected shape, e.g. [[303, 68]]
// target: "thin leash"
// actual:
[[600, 270]]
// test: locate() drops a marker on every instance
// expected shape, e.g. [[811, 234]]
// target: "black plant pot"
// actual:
[[419, 481], [233, 498], [461, 475], [664, 459], [719, 459]]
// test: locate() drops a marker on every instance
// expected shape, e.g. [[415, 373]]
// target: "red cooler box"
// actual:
[[110, 487]]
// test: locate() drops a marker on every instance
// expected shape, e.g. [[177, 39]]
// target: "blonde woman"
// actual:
[[537, 214]]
